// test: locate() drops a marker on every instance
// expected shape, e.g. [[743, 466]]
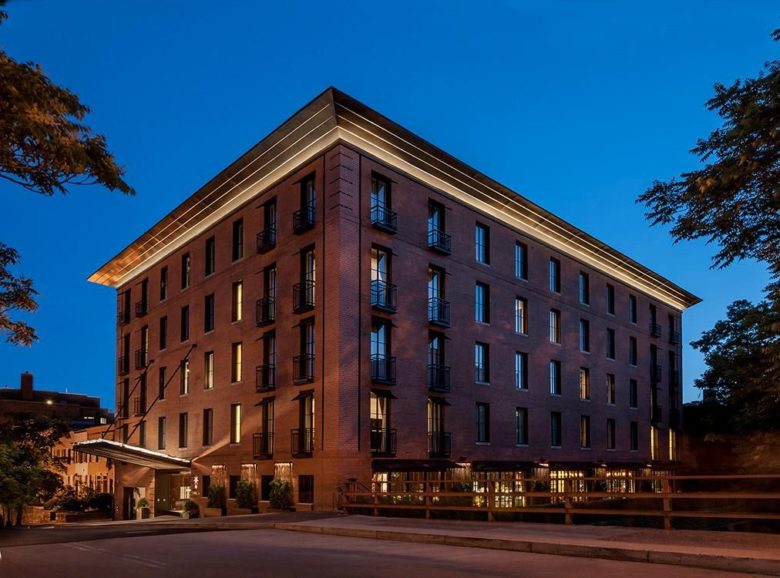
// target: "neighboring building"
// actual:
[[80, 411], [84, 472], [346, 301]]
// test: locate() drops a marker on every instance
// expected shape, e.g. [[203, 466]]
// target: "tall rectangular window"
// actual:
[[632, 308], [634, 436], [482, 243], [482, 363], [237, 302], [584, 288], [555, 275], [183, 427], [521, 316], [584, 431], [610, 434], [483, 423], [208, 313], [186, 267], [632, 351], [208, 426], [162, 382], [211, 256], [185, 323], [236, 362], [235, 423], [184, 377], [161, 433], [610, 343], [521, 260], [610, 299], [633, 395], [611, 393], [521, 370], [142, 434], [163, 283], [654, 444], [163, 332], [208, 370], [555, 429], [238, 240], [438, 239], [521, 426], [584, 383], [585, 335], [555, 377], [555, 326], [482, 303]]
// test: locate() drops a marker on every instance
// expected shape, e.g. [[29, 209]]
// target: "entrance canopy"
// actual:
[[132, 455]]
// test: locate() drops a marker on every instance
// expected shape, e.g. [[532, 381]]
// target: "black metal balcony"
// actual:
[[656, 414], [383, 369], [383, 295], [383, 442], [674, 337], [139, 406], [655, 372], [123, 365], [439, 378], [262, 446], [439, 444], [123, 317], [655, 329], [383, 218], [266, 378], [141, 308], [302, 442], [266, 311], [303, 296], [266, 240], [304, 219], [439, 241], [141, 358], [439, 311], [303, 368]]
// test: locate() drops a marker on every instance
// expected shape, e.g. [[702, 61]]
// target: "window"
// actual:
[[237, 302], [555, 377], [521, 426], [184, 377], [163, 332], [521, 261], [555, 429], [208, 426], [521, 316], [235, 362], [161, 433], [161, 382], [211, 256], [186, 266], [304, 363], [632, 352], [142, 434], [632, 308], [585, 432], [610, 434], [555, 275], [632, 394], [584, 288], [521, 370], [382, 368], [611, 394], [610, 343], [584, 335], [584, 383], [304, 293], [555, 326], [266, 239], [482, 363], [483, 423], [654, 444], [482, 303], [185, 323], [163, 283], [482, 244], [382, 290], [610, 299], [438, 239], [382, 216], [238, 239], [634, 436], [304, 218], [183, 426], [208, 313], [235, 423], [208, 370], [379, 412]]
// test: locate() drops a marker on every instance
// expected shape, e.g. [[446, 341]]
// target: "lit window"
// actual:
[[521, 316], [555, 326], [584, 383], [237, 304], [235, 423], [236, 360]]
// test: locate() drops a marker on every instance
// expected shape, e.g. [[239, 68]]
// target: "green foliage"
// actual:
[[16, 293], [142, 503], [216, 496], [191, 508], [246, 494], [281, 496]]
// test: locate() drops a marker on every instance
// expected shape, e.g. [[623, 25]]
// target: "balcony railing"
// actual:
[[139, 406], [141, 308], [141, 358], [656, 414], [266, 311], [439, 378], [123, 365], [266, 378], [304, 218], [383, 369], [655, 329], [674, 337], [262, 446], [439, 444], [383, 295], [123, 317], [655, 372], [266, 240], [302, 442], [439, 311], [303, 296], [383, 442], [303, 368], [383, 218], [439, 241]]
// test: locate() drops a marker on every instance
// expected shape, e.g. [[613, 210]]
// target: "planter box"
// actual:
[[142, 513], [211, 512], [304, 507], [263, 506], [233, 511]]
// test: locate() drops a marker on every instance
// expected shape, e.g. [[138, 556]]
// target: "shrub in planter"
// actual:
[[246, 495], [216, 497], [280, 495], [191, 509], [101, 502], [142, 503]]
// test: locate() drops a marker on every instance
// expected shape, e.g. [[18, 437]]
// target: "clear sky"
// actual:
[[577, 104]]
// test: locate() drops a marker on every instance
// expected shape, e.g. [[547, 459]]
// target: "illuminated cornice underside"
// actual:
[[334, 117]]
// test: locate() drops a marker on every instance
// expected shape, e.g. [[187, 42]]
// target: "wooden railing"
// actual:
[[665, 496]]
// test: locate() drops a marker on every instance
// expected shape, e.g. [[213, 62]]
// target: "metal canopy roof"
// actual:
[[132, 455]]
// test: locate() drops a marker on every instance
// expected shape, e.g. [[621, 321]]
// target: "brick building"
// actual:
[[346, 301], [84, 472]]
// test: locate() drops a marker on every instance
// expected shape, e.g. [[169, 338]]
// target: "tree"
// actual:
[[45, 148]]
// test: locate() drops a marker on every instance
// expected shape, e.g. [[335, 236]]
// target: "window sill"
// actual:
[[555, 447], [585, 449], [585, 399], [521, 388], [482, 382], [611, 449], [521, 445], [482, 443]]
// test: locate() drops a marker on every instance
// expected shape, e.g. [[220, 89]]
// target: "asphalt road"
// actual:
[[279, 554]]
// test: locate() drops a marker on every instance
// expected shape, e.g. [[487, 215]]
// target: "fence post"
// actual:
[[567, 486], [667, 503]]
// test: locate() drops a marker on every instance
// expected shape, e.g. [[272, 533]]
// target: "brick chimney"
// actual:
[[27, 386]]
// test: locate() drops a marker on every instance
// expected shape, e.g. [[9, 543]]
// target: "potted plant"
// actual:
[[142, 509], [246, 498], [280, 495], [216, 502], [191, 509]]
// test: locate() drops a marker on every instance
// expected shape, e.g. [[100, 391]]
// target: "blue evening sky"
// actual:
[[578, 105]]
